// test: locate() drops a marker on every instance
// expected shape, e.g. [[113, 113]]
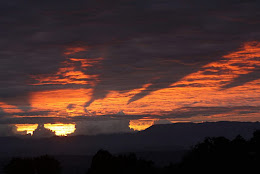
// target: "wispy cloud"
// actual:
[[140, 57]]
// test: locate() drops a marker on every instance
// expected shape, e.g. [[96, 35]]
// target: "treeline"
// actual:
[[39, 165], [214, 154], [219, 154]]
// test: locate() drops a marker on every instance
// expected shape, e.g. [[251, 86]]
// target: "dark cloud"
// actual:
[[33, 120], [1, 110], [24, 114], [189, 112], [156, 42], [106, 124], [71, 106], [6, 130], [32, 113], [244, 78], [102, 127]]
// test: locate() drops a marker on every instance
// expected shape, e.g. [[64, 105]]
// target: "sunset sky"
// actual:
[[104, 66]]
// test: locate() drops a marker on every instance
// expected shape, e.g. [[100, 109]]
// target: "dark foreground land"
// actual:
[[217, 154], [159, 149]]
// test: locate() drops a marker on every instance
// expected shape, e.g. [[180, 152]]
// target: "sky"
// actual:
[[101, 66]]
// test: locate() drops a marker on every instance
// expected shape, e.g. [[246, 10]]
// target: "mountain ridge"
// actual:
[[167, 137]]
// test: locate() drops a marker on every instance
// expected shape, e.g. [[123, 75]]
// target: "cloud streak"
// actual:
[[142, 57]]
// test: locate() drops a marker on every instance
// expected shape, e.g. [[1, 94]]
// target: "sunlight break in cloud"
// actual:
[[203, 88]]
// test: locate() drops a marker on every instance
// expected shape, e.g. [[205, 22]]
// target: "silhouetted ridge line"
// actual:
[[217, 154], [178, 136]]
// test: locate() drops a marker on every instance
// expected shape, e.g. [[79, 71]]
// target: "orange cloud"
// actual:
[[70, 73], [87, 62], [59, 100], [197, 89], [9, 108], [67, 75], [73, 50], [202, 88]]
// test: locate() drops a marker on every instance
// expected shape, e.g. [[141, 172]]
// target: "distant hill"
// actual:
[[187, 134], [164, 137]]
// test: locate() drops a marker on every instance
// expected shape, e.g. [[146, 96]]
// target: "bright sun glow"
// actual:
[[141, 124], [61, 129], [28, 128]]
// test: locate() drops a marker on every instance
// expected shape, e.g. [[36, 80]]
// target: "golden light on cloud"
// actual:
[[72, 50], [61, 129], [71, 70], [60, 100], [85, 63], [199, 89], [9, 108], [28, 128], [141, 124], [68, 75]]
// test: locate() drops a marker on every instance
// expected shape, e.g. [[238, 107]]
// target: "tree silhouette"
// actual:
[[219, 154], [104, 162], [214, 154], [39, 165]]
